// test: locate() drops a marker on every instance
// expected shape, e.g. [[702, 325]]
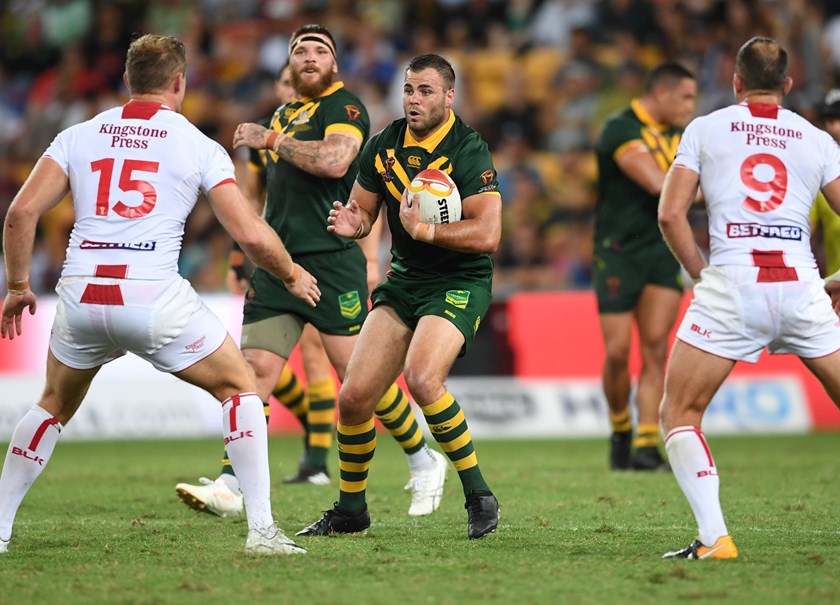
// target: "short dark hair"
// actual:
[[436, 62], [152, 61], [669, 73], [762, 64]]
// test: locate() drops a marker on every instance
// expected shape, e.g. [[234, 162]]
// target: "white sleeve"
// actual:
[[832, 161], [688, 152], [58, 151], [217, 169]]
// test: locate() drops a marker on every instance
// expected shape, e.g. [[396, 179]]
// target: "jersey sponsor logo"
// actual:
[[786, 232], [353, 112], [414, 161], [350, 304], [139, 246], [487, 177], [458, 298]]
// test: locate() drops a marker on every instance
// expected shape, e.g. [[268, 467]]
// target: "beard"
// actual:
[[430, 122], [312, 89]]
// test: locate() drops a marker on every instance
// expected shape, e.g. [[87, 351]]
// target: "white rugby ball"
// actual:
[[440, 201]]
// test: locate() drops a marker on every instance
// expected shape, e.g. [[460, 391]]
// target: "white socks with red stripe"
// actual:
[[246, 441], [695, 471], [29, 451]]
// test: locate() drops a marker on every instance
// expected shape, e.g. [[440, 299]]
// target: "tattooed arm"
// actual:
[[328, 158]]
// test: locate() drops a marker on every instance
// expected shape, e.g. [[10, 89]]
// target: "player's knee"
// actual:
[[354, 405], [424, 384], [617, 356]]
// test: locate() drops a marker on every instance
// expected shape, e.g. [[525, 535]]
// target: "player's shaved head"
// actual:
[[762, 64]]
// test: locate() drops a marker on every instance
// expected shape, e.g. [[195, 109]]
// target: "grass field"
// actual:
[[103, 525]]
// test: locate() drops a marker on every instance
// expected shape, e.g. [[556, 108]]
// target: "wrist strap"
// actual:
[[293, 276], [17, 287], [424, 232]]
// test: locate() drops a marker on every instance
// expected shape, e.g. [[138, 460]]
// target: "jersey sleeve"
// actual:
[[218, 168], [58, 150], [369, 177], [347, 115], [473, 170], [688, 153], [832, 161], [619, 132]]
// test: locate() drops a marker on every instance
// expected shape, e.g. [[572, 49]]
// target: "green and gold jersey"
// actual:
[[625, 215], [389, 162], [297, 202], [823, 216], [258, 158]]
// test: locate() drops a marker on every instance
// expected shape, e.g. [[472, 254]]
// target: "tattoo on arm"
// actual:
[[328, 158]]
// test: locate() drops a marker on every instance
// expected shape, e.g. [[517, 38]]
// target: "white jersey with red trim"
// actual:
[[135, 174], [760, 169]]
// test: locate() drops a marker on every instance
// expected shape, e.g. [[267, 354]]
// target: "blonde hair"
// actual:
[[152, 61]]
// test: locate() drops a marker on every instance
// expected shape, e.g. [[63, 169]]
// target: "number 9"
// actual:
[[777, 186]]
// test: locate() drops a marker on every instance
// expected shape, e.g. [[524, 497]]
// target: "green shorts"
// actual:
[[619, 277], [463, 301], [342, 279]]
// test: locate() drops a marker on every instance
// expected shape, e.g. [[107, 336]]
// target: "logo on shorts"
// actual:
[[350, 304], [195, 346], [701, 331], [458, 298], [477, 323]]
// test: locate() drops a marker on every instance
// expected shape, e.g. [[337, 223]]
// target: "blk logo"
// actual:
[[708, 473], [236, 437], [701, 331], [34, 458]]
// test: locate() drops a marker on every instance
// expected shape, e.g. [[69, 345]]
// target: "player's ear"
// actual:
[[788, 85], [737, 84], [180, 81], [450, 97]]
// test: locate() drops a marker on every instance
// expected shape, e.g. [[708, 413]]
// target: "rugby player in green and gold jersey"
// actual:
[[425, 314], [636, 277], [312, 144]]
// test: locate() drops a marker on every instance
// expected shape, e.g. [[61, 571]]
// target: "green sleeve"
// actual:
[[616, 133], [473, 171], [369, 176]]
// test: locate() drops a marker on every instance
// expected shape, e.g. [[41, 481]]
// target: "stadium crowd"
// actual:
[[537, 80]]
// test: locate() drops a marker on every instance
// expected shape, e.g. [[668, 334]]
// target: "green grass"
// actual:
[[103, 525]]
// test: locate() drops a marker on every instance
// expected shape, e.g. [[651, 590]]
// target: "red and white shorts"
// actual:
[[164, 322], [733, 315]]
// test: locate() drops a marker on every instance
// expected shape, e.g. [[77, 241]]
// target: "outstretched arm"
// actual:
[[260, 242], [330, 157]]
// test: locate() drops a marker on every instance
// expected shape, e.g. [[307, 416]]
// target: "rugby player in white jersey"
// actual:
[[135, 173], [760, 167]]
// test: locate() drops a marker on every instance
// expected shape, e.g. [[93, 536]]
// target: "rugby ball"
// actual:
[[440, 201]]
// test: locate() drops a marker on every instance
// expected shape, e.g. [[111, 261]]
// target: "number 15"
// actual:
[[106, 169]]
